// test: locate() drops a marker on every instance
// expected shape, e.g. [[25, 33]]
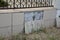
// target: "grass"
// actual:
[[2, 38], [51, 33], [39, 30], [51, 38]]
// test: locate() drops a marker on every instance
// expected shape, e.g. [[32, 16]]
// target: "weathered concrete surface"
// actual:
[[24, 10], [5, 24], [47, 21], [8, 25], [18, 20], [56, 4], [49, 17], [58, 19]]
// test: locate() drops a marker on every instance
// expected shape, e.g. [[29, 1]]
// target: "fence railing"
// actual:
[[13, 4]]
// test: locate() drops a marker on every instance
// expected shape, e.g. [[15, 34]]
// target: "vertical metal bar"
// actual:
[[51, 2], [14, 4], [47, 3], [23, 4], [10, 4], [41, 3], [3, 5], [17, 4], [26, 3], [20, 3], [36, 2], [31, 3], [7, 2]]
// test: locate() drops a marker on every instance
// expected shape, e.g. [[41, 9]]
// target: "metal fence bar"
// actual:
[[27, 4]]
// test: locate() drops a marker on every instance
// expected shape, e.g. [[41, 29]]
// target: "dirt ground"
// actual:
[[51, 33]]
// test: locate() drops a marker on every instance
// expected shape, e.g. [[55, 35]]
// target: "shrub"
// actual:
[[3, 3]]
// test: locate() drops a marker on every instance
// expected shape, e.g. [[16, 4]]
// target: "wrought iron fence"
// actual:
[[27, 3]]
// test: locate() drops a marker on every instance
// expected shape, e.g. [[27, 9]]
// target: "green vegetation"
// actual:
[[2, 38], [39, 30], [42, 34], [51, 38], [3, 3]]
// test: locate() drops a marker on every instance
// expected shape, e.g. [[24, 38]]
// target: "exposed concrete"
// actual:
[[58, 19], [49, 17], [24, 10], [18, 22], [18, 19], [47, 21], [57, 4], [5, 24]]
